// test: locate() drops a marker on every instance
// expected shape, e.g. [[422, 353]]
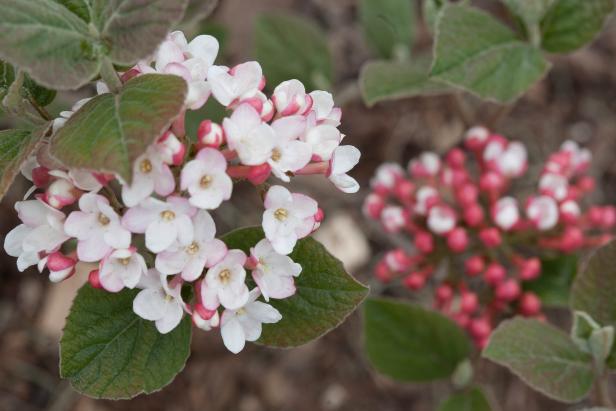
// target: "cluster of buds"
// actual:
[[156, 233], [474, 241]]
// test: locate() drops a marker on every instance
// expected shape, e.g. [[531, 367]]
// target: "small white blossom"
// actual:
[[159, 302], [273, 272], [224, 283], [206, 179], [122, 268]]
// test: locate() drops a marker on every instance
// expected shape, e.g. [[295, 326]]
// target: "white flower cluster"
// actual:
[[161, 237]]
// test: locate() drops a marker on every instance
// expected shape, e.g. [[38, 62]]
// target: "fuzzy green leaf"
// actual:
[[325, 294], [554, 283], [389, 26], [289, 47], [544, 357], [530, 11], [475, 52], [107, 351], [82, 8], [410, 343], [110, 131], [469, 400], [385, 80], [570, 24]]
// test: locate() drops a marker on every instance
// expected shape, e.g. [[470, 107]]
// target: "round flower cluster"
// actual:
[[474, 241], [156, 233]]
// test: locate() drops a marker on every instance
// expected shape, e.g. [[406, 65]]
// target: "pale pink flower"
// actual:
[[273, 272], [441, 219], [122, 268], [159, 302], [343, 159], [150, 174], [206, 179], [290, 98], [543, 212], [232, 86], [506, 213], [248, 135], [224, 283]]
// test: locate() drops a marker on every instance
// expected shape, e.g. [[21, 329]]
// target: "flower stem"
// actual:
[[110, 76], [603, 390]]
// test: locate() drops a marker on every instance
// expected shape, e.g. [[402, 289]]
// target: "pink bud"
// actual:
[[508, 290], [480, 328], [404, 190], [382, 272], [444, 293], [530, 269], [455, 158], [490, 237], [414, 281], [441, 219], [608, 217], [467, 194], [258, 174], [61, 193], [494, 274], [130, 74], [469, 302], [94, 279], [572, 239], [457, 240], [40, 176], [476, 138], [492, 182], [204, 312], [529, 304], [595, 216], [474, 266], [320, 215], [424, 242], [210, 134], [463, 320], [373, 205], [473, 215], [586, 184], [569, 212]]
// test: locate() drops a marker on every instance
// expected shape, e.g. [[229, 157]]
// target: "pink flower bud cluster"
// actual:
[[472, 239], [155, 232]]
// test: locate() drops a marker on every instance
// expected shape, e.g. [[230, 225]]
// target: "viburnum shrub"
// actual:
[[475, 241], [118, 183]]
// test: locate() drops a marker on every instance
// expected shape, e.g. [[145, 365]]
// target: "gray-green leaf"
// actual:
[[107, 351], [289, 47], [544, 357], [111, 131], [569, 24], [530, 11], [410, 343], [389, 26], [593, 290], [388, 80], [469, 400], [325, 294], [477, 53]]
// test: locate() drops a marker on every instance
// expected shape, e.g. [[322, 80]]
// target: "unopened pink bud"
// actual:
[[94, 279], [480, 328], [444, 293], [414, 281], [40, 176], [508, 290], [494, 274], [455, 158], [467, 194], [586, 184], [608, 217], [490, 237], [424, 242], [457, 240], [210, 134], [469, 302], [204, 312], [61, 193], [258, 174], [491, 181], [404, 190], [595, 216], [474, 266], [476, 138], [530, 269], [529, 304], [373, 205], [382, 272], [572, 239], [130, 74], [473, 215]]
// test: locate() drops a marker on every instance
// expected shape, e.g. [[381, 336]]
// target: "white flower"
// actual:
[[163, 223], [428, 164], [554, 185], [231, 86], [191, 260], [392, 218], [97, 227], [206, 179], [324, 139], [508, 158], [287, 218], [386, 176], [343, 160], [506, 213], [323, 108], [441, 219], [159, 302], [289, 154], [248, 135], [580, 157], [224, 283], [41, 232], [273, 272], [245, 324], [150, 174], [543, 212], [122, 268], [425, 198], [290, 98]]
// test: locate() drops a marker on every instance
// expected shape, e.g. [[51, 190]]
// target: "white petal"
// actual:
[[171, 319], [160, 235], [232, 333], [150, 304]]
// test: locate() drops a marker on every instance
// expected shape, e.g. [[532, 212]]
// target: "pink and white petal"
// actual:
[[117, 236], [57, 276], [27, 260], [137, 219], [168, 52], [111, 281], [344, 159], [92, 249], [216, 250], [14, 240], [235, 257], [264, 313], [209, 199], [205, 228], [32, 212], [160, 235], [178, 38], [345, 183], [171, 319], [172, 262], [165, 182], [192, 172], [194, 268], [212, 159], [252, 328], [248, 76], [150, 304], [233, 297], [232, 333], [141, 189], [278, 196], [199, 92], [290, 128], [304, 206], [284, 244], [222, 84], [209, 297], [204, 47], [185, 230]]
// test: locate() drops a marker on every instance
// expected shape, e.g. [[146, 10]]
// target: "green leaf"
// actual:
[[291, 47], [384, 80], [30, 89], [49, 42], [15, 148], [135, 28], [593, 290], [470, 400], [554, 283], [410, 343], [107, 351], [7, 77], [110, 131], [389, 26], [82, 8], [570, 24], [530, 11], [198, 10], [430, 10], [325, 295], [544, 357], [475, 52]]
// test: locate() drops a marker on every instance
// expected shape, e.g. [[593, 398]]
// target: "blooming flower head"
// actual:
[[122, 268], [224, 283], [273, 272]]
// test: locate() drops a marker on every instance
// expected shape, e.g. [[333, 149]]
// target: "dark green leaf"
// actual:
[[107, 351], [570, 24], [530, 11], [470, 400], [39, 94], [325, 295], [384, 80], [389, 26], [593, 290], [544, 357], [557, 275], [15, 148], [290, 47], [49, 42], [475, 52], [110, 131], [410, 343], [7, 77]]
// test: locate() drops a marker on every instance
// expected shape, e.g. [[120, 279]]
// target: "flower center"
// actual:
[[125, 261], [167, 215], [276, 154], [205, 181], [224, 276], [193, 248], [146, 166], [241, 311], [281, 214], [103, 219], [168, 298]]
